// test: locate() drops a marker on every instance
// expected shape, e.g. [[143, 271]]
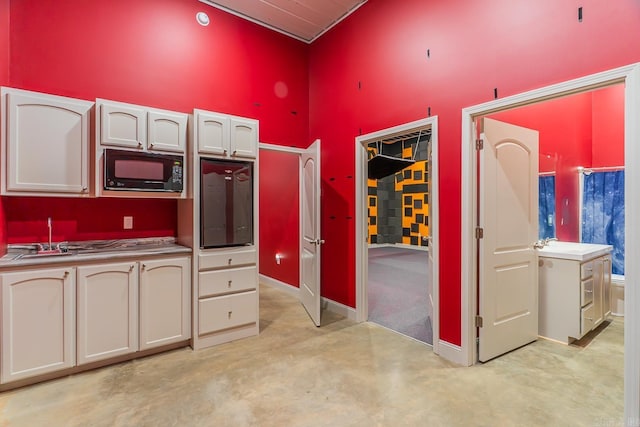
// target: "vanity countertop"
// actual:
[[94, 250], [574, 251]]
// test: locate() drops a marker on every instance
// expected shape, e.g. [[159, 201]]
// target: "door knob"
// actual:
[[318, 242]]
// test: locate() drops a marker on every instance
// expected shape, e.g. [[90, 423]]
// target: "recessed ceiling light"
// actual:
[[202, 18]]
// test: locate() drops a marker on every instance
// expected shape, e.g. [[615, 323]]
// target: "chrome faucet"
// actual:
[[543, 242], [49, 226]]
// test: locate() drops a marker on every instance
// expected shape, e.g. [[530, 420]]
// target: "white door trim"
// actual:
[[630, 76], [361, 224]]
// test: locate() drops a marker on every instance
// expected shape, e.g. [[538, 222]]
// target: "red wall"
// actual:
[[608, 127], [565, 142], [474, 48], [149, 52], [279, 213], [86, 219]]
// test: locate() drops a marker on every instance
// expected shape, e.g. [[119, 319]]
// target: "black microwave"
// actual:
[[142, 171]]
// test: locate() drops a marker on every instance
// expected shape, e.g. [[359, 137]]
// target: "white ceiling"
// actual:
[[304, 20]]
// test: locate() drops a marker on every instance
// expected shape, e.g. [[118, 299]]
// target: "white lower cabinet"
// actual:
[[165, 302], [225, 296], [114, 309], [107, 311], [38, 322], [226, 312], [574, 296]]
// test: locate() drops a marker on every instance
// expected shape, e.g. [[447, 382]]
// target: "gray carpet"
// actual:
[[398, 291]]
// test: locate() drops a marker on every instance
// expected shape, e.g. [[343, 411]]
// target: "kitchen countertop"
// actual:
[[574, 251], [94, 250]]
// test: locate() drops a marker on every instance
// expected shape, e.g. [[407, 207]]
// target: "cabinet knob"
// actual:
[[139, 144], [144, 266], [230, 260], [229, 315], [234, 152], [224, 151], [229, 283], [84, 189], [151, 145], [66, 274], [131, 267]]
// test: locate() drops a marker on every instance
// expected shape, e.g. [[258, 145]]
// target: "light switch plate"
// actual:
[[127, 222]]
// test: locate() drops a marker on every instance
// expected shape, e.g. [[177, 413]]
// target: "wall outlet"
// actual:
[[127, 222]]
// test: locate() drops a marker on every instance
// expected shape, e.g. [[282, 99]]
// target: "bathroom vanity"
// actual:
[[574, 289]]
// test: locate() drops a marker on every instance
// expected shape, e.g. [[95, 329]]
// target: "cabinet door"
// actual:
[[165, 302], [244, 138], [212, 133], [167, 131], [122, 125], [38, 322], [107, 311], [606, 287], [47, 144], [598, 294]]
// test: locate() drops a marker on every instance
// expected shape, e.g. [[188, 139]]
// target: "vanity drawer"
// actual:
[[227, 258], [226, 312], [586, 292], [226, 281], [586, 319], [586, 270]]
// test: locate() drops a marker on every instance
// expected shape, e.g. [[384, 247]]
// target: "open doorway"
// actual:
[[396, 220], [630, 77]]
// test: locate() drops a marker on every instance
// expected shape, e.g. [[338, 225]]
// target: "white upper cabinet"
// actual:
[[244, 138], [212, 132], [167, 131], [122, 125], [143, 128], [45, 144], [224, 135]]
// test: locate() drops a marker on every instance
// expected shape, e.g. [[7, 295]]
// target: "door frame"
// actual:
[[361, 244], [630, 76]]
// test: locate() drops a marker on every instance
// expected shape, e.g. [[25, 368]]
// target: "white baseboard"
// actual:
[[451, 352], [341, 309], [275, 283], [327, 304]]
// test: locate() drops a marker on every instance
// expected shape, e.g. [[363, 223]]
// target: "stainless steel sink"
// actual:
[[42, 255]]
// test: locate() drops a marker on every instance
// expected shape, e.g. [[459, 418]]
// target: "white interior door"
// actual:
[[310, 240], [429, 237], [508, 210]]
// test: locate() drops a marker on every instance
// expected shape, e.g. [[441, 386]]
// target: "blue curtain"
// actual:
[[547, 206], [603, 213]]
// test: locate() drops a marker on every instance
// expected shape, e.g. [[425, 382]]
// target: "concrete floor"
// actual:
[[341, 374]]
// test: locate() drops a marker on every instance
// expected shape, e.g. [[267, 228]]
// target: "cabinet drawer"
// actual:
[[209, 261], [226, 312], [586, 270], [226, 281], [586, 292], [586, 319]]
